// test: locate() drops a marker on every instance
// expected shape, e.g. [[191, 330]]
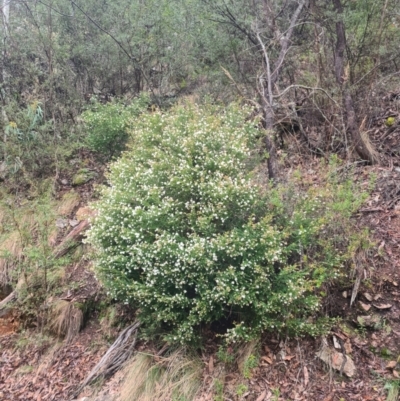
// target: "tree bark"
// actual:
[[342, 77], [6, 21], [268, 95]]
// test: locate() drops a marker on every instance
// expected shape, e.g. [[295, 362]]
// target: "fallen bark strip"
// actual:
[[72, 240], [114, 358]]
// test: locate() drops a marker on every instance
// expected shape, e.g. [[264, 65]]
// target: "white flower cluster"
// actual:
[[183, 232]]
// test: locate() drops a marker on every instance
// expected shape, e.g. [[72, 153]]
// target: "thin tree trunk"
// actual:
[[6, 21], [342, 77], [272, 162], [4, 78], [6, 17], [272, 78]]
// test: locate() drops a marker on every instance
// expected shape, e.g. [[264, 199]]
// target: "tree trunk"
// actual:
[[272, 162], [342, 77], [6, 20], [268, 95]]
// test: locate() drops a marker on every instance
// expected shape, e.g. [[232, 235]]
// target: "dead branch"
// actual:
[[114, 358], [306, 88]]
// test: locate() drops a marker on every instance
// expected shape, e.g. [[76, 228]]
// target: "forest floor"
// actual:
[[36, 366]]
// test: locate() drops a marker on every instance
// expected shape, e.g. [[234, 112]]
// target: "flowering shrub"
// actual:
[[108, 125], [184, 233]]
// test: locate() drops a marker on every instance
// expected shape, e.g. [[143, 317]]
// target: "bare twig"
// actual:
[[307, 88], [286, 41], [269, 83]]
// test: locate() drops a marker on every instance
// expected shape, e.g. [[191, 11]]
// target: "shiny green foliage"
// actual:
[[184, 232]]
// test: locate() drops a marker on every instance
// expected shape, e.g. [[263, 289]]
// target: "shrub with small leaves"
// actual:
[[184, 232], [108, 125]]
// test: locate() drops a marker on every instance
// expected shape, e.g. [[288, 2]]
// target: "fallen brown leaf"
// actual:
[[391, 365], [347, 347], [306, 376], [267, 359], [289, 357], [211, 365], [329, 397], [382, 306]]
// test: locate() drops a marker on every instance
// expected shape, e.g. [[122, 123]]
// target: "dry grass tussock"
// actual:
[[367, 142], [66, 319], [11, 253], [68, 203], [175, 377]]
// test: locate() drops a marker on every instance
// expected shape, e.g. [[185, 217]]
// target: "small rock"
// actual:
[[344, 294], [382, 306], [73, 223], [61, 223], [368, 296], [64, 182], [391, 365], [364, 307], [396, 374], [377, 297], [335, 360]]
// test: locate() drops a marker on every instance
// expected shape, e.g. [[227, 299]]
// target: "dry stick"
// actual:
[[114, 358], [358, 272]]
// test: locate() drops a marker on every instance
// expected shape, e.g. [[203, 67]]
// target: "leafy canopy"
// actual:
[[184, 232]]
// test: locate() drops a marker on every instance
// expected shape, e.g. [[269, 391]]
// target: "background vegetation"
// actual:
[[197, 222]]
